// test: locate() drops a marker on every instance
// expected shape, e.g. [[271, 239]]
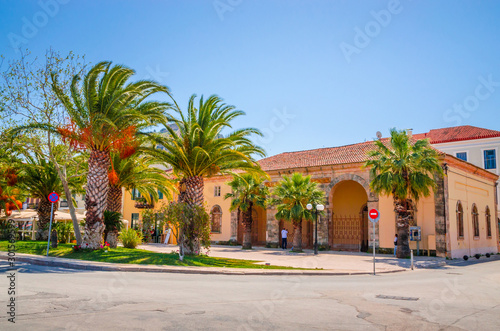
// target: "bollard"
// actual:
[[411, 254]]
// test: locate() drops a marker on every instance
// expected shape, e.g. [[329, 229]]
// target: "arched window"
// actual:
[[460, 220], [475, 221], [216, 219], [488, 222]]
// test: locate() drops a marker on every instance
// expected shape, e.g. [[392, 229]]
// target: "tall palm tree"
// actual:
[[107, 113], [40, 178], [248, 191], [404, 169], [292, 194], [195, 148], [137, 172]]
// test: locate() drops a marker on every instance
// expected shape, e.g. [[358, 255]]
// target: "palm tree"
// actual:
[[106, 114], [137, 172], [40, 178], [113, 225], [248, 191], [195, 148], [292, 196], [404, 169]]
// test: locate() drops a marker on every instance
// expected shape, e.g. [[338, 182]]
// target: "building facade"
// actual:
[[445, 229]]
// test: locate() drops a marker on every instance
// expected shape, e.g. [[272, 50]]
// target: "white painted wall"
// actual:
[[475, 152]]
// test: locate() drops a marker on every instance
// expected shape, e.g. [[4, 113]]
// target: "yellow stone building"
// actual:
[[457, 220]]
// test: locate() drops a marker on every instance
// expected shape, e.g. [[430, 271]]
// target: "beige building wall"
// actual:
[[424, 218], [212, 200], [471, 189]]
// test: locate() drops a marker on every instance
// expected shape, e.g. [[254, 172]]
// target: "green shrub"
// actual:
[[64, 230], [130, 238]]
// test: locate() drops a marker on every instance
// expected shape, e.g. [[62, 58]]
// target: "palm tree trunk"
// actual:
[[402, 225], [96, 198], [247, 225], [297, 236], [112, 239], [191, 193], [114, 198], [43, 212]]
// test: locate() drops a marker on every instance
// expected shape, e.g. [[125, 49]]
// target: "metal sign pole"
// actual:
[[373, 248], [50, 227]]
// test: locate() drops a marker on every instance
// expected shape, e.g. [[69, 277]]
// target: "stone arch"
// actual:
[[363, 182]]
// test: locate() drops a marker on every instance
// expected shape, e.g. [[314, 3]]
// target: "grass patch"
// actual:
[[134, 256]]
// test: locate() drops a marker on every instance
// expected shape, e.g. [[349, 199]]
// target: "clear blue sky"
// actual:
[[341, 74]]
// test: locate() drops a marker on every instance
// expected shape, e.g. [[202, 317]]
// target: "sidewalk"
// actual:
[[326, 263], [346, 262]]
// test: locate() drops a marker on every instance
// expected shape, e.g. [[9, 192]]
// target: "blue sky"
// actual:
[[308, 73]]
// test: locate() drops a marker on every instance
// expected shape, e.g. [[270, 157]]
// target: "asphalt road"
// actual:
[[451, 298]]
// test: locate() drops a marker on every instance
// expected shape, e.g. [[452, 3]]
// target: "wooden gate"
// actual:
[[347, 233]]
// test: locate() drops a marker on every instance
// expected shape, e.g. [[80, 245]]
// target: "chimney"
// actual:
[[409, 133]]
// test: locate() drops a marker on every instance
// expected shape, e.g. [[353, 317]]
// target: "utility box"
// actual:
[[415, 233]]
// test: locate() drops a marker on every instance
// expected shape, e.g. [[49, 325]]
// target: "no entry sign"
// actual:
[[53, 197], [374, 215]]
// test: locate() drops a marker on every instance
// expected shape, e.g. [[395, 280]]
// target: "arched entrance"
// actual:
[[349, 224]]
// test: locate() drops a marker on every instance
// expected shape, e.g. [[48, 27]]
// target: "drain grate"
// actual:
[[393, 297]]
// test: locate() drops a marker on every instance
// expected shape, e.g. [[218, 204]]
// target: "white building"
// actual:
[[469, 143]]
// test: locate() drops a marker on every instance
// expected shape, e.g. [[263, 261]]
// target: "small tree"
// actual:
[[248, 191], [189, 224], [113, 225], [292, 196]]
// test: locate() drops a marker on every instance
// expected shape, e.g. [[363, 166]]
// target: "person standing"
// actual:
[[395, 244], [284, 235]]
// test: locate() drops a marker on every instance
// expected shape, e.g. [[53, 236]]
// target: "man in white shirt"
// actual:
[[284, 235]]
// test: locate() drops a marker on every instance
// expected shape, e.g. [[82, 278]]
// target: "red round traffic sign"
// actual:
[[53, 197], [373, 214]]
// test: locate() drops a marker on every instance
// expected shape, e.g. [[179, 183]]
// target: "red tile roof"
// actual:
[[318, 157], [358, 152], [457, 133]]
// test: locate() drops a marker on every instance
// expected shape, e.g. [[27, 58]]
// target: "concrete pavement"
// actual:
[[452, 298]]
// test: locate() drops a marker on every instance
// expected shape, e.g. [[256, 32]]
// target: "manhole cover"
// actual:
[[393, 297]]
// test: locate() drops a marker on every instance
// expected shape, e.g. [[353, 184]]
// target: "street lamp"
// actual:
[[317, 208]]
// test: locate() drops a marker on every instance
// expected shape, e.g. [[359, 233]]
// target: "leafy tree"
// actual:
[[195, 148], [106, 114], [26, 98], [40, 179], [189, 224], [292, 194], [404, 169], [248, 191]]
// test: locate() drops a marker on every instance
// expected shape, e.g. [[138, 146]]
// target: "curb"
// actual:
[[105, 266]]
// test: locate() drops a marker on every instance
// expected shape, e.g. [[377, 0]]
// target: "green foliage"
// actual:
[[188, 223], [112, 221], [130, 238], [64, 231], [292, 194], [247, 190], [138, 171], [40, 178], [403, 168], [199, 148]]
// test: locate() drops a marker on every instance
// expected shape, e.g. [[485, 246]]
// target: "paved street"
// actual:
[[449, 298]]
